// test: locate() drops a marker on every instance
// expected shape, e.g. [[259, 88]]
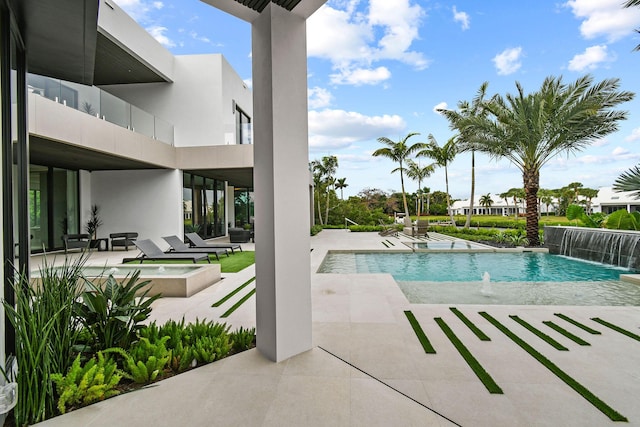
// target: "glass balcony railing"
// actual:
[[101, 104]]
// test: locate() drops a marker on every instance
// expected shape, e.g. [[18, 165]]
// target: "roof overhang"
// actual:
[[249, 10], [60, 37]]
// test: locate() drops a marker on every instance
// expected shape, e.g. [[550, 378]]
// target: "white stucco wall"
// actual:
[[146, 201], [199, 102]]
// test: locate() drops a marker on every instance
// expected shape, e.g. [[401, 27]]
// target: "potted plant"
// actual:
[[92, 225]]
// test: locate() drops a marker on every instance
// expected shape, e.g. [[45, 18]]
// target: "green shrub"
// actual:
[[145, 361], [207, 349], [243, 339], [112, 313], [315, 229], [83, 385], [370, 228]]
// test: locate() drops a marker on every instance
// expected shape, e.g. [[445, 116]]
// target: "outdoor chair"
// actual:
[[239, 235], [199, 242], [388, 229], [420, 228], [123, 240], [178, 246], [75, 241], [150, 251]]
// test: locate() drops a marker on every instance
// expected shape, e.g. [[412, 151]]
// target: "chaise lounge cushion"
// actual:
[[123, 239]]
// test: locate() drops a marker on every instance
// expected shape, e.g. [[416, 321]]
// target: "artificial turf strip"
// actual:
[[235, 306], [582, 390], [385, 244], [566, 333], [544, 337], [481, 335], [422, 337], [390, 242], [232, 293], [576, 323], [616, 328], [473, 363]]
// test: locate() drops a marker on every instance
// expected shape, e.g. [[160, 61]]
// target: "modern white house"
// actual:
[[154, 134], [499, 206], [96, 112], [609, 201]]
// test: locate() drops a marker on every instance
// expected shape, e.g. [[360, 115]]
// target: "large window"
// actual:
[[203, 205], [243, 201], [53, 206], [243, 127]]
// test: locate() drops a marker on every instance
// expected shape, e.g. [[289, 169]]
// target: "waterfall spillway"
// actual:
[[605, 246]]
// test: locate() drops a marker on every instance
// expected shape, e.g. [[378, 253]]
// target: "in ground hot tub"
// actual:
[[170, 280]]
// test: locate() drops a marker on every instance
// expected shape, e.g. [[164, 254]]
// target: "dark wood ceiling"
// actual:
[[259, 5]]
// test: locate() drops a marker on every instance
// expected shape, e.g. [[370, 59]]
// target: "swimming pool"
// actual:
[[449, 245], [511, 278]]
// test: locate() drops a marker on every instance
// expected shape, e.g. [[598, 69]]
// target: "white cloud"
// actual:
[[635, 135], [440, 106], [139, 9], [461, 17], [592, 57], [600, 142], [319, 97], [248, 82], [508, 61], [354, 40], [604, 18], [619, 151], [157, 32], [361, 76], [339, 129]]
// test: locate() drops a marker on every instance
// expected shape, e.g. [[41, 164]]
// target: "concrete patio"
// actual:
[[368, 368]]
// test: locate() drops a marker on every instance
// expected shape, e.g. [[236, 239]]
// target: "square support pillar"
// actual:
[[281, 184]]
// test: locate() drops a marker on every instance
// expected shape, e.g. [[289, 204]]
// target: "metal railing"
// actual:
[[347, 221]]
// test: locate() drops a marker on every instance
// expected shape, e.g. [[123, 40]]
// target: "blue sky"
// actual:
[[381, 67]]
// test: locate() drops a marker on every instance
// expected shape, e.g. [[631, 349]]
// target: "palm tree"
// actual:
[[529, 130], [588, 194], [419, 173], [575, 189], [545, 197], [486, 201], [323, 176], [465, 139], [426, 191], [341, 183], [316, 167], [442, 156], [631, 3], [399, 152], [629, 181]]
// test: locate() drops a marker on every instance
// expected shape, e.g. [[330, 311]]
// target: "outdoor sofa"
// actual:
[[123, 240]]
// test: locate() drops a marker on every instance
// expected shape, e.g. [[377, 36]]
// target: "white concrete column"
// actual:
[[281, 184]]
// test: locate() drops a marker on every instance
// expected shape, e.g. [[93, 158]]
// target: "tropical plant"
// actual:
[[324, 179], [94, 222], [145, 361], [631, 3], [486, 201], [243, 339], [399, 152], [465, 141], [112, 313], [531, 129], [629, 181], [622, 220], [589, 194], [419, 173], [45, 332], [82, 385], [577, 213], [442, 156], [341, 183]]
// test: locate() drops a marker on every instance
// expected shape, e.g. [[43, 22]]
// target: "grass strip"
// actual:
[[537, 332], [385, 244], [228, 264], [582, 390], [235, 306], [616, 328], [390, 242], [422, 337], [473, 363], [481, 335], [566, 333], [232, 293], [576, 323]]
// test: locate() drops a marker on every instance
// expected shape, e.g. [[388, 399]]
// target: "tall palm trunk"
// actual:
[[531, 180], [473, 188], [407, 219], [446, 181], [319, 209]]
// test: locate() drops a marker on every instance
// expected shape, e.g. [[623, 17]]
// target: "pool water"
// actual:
[[449, 244], [513, 278]]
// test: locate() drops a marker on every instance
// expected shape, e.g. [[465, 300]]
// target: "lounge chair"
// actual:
[[198, 242], [150, 251], [178, 246], [388, 229], [420, 228]]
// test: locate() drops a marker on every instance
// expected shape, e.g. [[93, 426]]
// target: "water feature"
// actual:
[[485, 288], [615, 247]]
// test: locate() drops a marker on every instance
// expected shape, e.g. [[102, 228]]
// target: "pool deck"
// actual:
[[367, 368]]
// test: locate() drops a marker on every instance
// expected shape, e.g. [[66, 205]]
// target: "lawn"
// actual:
[[228, 264]]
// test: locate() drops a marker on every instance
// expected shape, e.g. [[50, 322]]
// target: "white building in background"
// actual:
[[498, 207], [609, 201]]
